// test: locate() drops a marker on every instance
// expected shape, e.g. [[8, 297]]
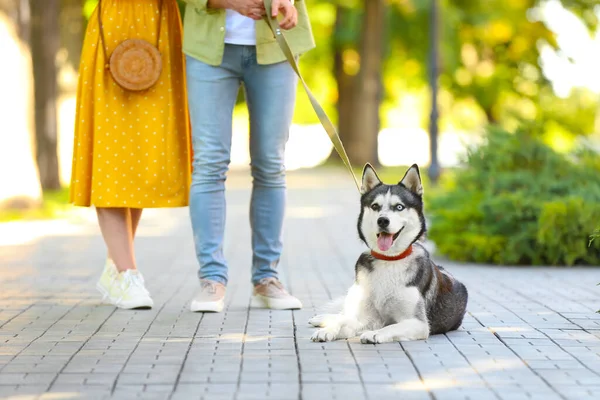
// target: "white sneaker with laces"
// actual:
[[108, 284], [133, 292], [124, 290]]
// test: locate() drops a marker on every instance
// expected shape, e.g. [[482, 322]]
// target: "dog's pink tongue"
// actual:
[[384, 241]]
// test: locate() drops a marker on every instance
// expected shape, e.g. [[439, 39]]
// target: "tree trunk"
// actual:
[[434, 169], [489, 114], [362, 148], [359, 96], [45, 43], [71, 31], [345, 83], [72, 25], [19, 181]]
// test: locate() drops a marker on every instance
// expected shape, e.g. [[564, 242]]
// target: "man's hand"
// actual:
[[289, 12], [254, 9]]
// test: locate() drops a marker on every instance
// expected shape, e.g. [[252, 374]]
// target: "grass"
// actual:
[[55, 203]]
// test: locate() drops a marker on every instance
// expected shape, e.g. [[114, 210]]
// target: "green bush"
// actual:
[[517, 201]]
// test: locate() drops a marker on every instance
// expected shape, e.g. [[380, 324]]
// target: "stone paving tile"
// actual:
[[518, 341]]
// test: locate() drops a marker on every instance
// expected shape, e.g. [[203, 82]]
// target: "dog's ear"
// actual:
[[369, 179], [412, 180]]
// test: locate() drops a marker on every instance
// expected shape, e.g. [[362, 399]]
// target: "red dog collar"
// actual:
[[400, 256]]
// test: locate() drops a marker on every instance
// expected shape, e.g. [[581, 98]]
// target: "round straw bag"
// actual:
[[135, 64]]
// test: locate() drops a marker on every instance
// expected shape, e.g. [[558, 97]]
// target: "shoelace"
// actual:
[[271, 281], [131, 279], [211, 287]]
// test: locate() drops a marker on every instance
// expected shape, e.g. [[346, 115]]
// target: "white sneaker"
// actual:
[[108, 284], [133, 291], [270, 293], [126, 290]]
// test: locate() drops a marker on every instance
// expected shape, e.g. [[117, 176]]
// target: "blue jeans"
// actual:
[[270, 95]]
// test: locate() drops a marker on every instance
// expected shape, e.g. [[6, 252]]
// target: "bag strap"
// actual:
[[103, 39], [325, 121]]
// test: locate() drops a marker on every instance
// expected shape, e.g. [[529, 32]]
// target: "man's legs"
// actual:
[[271, 96], [212, 93]]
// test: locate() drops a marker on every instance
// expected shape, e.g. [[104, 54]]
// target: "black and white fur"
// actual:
[[407, 299]]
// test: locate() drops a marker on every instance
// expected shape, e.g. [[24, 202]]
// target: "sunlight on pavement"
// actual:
[[431, 384], [23, 232], [47, 396], [308, 212], [163, 340], [241, 337], [80, 222], [510, 329], [442, 381]]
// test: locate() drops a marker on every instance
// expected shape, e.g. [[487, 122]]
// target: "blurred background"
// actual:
[[498, 100]]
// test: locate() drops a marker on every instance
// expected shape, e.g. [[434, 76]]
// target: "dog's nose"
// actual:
[[383, 222]]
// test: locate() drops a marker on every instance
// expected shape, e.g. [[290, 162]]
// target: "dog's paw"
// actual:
[[323, 335], [372, 337], [324, 320], [318, 321]]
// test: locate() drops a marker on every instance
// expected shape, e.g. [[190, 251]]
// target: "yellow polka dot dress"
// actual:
[[132, 149]]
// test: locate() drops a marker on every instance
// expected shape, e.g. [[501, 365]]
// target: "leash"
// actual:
[[325, 121]]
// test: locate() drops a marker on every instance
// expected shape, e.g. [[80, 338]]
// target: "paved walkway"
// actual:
[[531, 333]]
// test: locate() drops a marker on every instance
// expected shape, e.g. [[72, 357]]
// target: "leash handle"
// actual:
[[325, 121]]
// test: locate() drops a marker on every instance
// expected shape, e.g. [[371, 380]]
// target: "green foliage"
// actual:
[[88, 8], [490, 63], [595, 235], [54, 204], [562, 231], [516, 201]]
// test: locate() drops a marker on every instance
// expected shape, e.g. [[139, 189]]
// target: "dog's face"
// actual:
[[391, 216]]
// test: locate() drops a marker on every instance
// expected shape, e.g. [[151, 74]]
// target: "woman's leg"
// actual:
[[136, 215], [124, 287], [116, 227]]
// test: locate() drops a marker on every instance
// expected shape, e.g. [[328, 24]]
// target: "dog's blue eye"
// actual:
[[375, 207], [399, 207]]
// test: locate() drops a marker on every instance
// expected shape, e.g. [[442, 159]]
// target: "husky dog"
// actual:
[[399, 293]]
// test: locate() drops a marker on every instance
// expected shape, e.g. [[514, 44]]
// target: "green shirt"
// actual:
[[204, 35]]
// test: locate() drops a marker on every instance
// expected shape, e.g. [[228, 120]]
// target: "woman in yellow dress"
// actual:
[[132, 149]]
